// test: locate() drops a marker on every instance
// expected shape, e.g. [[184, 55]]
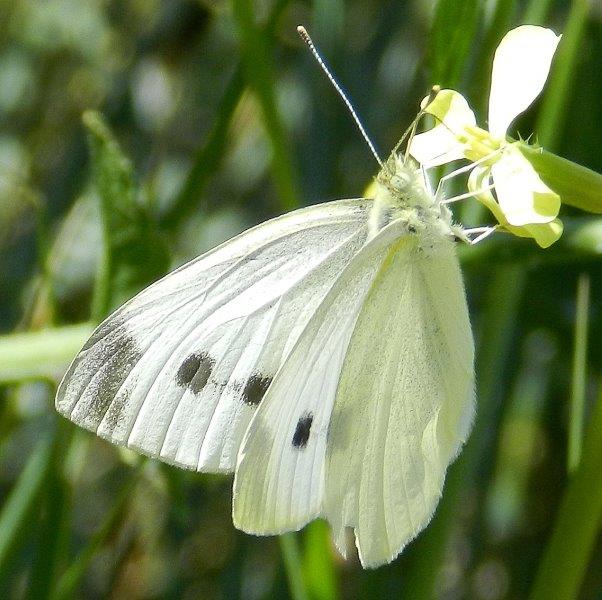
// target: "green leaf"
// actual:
[[52, 532], [578, 522], [134, 252], [576, 185], [452, 37]]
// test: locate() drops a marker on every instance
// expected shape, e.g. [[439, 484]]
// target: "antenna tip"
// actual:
[[301, 29]]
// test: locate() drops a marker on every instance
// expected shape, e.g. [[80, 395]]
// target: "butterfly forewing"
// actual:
[[179, 371], [279, 481]]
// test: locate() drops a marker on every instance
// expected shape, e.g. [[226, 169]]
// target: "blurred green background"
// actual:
[[226, 121]]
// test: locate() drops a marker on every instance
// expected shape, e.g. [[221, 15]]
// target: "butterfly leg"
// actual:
[[487, 188], [443, 181], [481, 233]]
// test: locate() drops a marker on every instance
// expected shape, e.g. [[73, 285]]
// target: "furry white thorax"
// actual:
[[402, 193]]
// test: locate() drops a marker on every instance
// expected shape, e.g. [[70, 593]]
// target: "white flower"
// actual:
[[523, 204]]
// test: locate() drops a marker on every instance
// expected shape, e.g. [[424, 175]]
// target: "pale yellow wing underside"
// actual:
[[404, 404]]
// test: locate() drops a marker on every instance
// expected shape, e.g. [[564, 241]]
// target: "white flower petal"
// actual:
[[544, 234], [523, 197], [440, 145], [520, 69], [451, 108], [436, 147]]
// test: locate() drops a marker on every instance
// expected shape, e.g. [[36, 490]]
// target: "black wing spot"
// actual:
[[255, 389], [194, 372], [302, 431]]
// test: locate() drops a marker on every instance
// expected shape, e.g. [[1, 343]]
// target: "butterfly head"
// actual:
[[403, 193]]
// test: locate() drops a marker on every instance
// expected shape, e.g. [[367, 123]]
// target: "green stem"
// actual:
[[319, 573], [40, 354], [579, 373], [577, 525]]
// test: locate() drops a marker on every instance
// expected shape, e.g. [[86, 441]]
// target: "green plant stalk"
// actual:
[[553, 109], [259, 72], [576, 185], [579, 374], [134, 252], [292, 563], [577, 525], [43, 354]]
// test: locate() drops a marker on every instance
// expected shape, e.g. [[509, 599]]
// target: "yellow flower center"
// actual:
[[478, 143]]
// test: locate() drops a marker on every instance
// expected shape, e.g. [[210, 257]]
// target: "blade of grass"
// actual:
[[42, 354], [577, 524], [209, 156], [52, 531], [536, 12], [553, 108], [71, 579], [258, 67], [292, 563], [452, 36], [23, 501], [508, 494], [577, 406], [501, 16]]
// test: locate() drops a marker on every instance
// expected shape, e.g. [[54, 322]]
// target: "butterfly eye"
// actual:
[[400, 181]]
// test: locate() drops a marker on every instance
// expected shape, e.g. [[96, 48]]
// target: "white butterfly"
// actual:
[[325, 357]]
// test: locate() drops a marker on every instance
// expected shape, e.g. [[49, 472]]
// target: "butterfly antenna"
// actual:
[[305, 37], [411, 130]]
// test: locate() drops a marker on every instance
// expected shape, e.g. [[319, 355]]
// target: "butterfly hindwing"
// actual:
[[404, 404], [179, 370]]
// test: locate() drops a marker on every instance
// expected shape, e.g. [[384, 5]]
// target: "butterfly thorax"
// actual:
[[403, 194]]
